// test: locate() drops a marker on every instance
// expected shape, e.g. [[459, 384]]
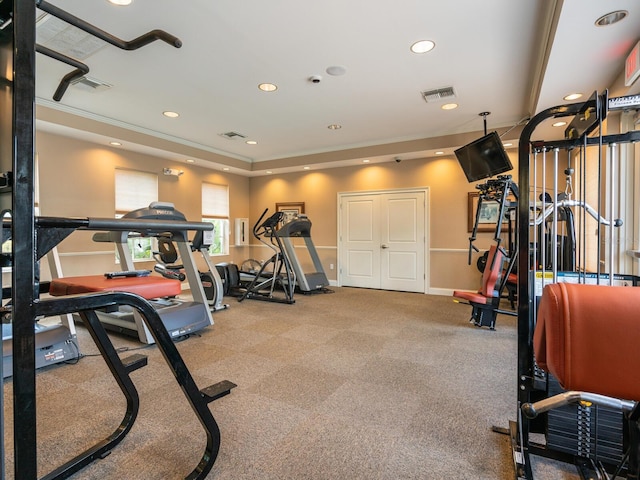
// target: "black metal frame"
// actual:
[[32, 238], [520, 430]]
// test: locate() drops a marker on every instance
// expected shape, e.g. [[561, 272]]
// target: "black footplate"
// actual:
[[134, 362], [217, 390]]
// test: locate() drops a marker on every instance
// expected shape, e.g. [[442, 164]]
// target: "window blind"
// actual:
[[135, 189]]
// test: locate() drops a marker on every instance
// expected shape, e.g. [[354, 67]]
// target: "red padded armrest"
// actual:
[[587, 336], [147, 287]]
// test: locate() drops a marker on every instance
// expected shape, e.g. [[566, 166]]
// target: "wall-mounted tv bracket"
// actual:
[[82, 69]]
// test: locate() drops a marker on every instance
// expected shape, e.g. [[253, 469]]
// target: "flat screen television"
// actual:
[[483, 158]]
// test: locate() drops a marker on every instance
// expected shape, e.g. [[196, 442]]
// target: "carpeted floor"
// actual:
[[358, 384]]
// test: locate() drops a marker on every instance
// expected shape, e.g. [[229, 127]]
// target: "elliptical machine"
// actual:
[[275, 272]]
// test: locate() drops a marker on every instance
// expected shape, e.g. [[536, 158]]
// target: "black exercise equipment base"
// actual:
[[85, 306]]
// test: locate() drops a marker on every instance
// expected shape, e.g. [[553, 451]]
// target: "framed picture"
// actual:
[[488, 215], [290, 210]]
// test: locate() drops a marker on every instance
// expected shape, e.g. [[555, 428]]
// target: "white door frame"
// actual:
[[427, 250]]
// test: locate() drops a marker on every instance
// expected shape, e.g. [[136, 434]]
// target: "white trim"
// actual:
[[91, 253], [326, 247], [382, 192], [449, 250], [135, 128]]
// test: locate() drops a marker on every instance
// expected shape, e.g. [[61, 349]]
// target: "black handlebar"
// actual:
[[134, 44], [80, 71], [267, 227], [81, 68]]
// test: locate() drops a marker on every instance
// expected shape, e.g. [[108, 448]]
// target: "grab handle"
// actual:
[[134, 44]]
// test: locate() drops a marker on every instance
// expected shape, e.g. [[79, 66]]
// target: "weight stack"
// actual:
[[587, 431]]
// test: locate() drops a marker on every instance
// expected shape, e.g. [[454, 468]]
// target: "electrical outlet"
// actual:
[[331, 266]]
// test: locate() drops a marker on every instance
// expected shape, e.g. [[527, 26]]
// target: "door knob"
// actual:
[[384, 245]]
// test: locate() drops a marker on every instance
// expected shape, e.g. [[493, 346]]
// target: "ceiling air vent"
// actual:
[[66, 39], [89, 84], [232, 135], [438, 94]]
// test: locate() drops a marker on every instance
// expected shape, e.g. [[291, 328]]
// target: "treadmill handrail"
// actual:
[[122, 224]]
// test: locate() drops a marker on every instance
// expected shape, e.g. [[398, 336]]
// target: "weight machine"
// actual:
[[590, 436], [500, 262], [34, 236]]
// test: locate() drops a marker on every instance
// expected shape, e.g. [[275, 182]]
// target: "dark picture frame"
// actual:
[[290, 209], [488, 217]]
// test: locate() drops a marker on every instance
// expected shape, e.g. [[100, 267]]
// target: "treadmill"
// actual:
[[54, 344], [180, 317], [300, 227]]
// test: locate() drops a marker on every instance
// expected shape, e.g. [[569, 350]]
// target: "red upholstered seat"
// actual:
[[147, 287], [472, 297], [490, 280], [587, 336]]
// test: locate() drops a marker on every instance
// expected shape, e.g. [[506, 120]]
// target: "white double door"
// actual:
[[382, 240]]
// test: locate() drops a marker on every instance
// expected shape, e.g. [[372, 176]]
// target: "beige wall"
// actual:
[[447, 187], [77, 181]]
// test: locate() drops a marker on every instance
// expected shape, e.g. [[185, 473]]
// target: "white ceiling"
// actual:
[[510, 58]]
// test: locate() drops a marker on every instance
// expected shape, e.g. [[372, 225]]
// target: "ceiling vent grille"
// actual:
[[66, 39], [91, 84], [438, 94], [232, 135]]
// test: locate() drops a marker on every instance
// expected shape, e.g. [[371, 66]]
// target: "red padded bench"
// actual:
[[147, 287], [587, 336]]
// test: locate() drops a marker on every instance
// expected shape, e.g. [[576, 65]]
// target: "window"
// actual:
[[136, 190], [215, 209]]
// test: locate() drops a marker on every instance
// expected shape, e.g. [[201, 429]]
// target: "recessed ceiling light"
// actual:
[[251, 142], [171, 114], [572, 96], [115, 144], [439, 152], [559, 124], [226, 169], [611, 18], [422, 46], [268, 171], [120, 2], [190, 160], [366, 161], [306, 168], [267, 87], [334, 126], [507, 144], [449, 106]]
